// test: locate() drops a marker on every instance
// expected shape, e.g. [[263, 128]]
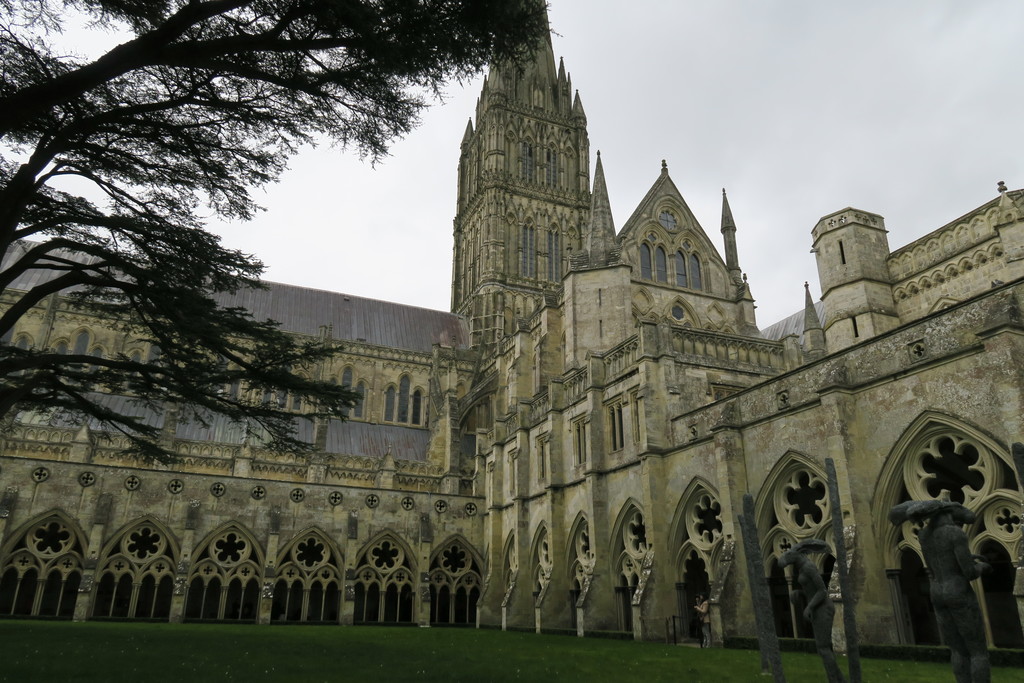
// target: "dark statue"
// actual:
[[819, 610], [952, 567]]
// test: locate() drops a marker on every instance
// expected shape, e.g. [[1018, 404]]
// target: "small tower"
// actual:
[[524, 194], [732, 259], [596, 292], [851, 249], [814, 335]]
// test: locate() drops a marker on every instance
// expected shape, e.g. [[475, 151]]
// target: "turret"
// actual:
[[732, 259], [851, 250], [814, 335], [601, 244]]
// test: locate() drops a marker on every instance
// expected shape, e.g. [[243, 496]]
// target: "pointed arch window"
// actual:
[[554, 256], [403, 399], [309, 583], [551, 167], [645, 261], [225, 580], [357, 411], [81, 344], [660, 265], [528, 263], [417, 407], [389, 404], [527, 167], [346, 383], [136, 579], [383, 585], [454, 585], [695, 279], [681, 280], [41, 574]]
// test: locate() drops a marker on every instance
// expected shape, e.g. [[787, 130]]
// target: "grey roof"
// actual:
[[382, 323], [303, 310], [362, 438], [343, 438], [793, 324]]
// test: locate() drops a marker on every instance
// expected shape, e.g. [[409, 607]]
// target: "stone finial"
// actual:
[[1001, 186], [664, 166]]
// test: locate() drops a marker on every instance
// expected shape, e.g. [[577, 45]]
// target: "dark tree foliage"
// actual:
[[201, 101]]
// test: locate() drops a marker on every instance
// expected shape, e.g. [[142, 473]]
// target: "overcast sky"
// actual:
[[798, 108]]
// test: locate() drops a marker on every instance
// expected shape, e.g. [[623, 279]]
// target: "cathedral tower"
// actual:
[[524, 194]]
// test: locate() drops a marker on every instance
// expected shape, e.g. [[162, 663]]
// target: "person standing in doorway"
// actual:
[[704, 613]]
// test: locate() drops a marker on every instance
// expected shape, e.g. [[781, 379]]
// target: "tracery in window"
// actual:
[[225, 578], [309, 581], [383, 584], [42, 572], [136, 576], [455, 580], [667, 220]]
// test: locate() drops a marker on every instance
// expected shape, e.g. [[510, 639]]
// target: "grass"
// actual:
[[104, 651]]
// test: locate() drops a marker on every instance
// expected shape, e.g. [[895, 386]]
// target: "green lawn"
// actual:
[[150, 653]]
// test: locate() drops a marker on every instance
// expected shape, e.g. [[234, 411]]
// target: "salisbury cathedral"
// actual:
[[568, 448]]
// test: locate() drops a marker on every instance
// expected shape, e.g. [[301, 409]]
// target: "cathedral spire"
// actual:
[[601, 233], [732, 259]]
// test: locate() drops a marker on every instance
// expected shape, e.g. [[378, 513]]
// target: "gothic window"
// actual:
[[417, 406], [389, 404], [23, 342], [136, 578], [579, 441], [61, 348], [681, 269], [542, 566], [554, 256], [225, 580], [542, 450], [667, 220], [615, 423], [695, 280], [699, 538], [645, 261], [551, 168], [527, 168], [81, 344], [41, 574], [346, 383], [403, 399], [454, 585], [660, 265], [631, 551], [528, 261], [383, 584], [309, 581], [357, 411]]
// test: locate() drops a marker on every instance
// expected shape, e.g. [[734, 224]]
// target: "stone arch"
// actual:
[[135, 571], [697, 540], [541, 562], [689, 314], [41, 567], [226, 575], [456, 571], [630, 550], [310, 579], [384, 578], [939, 455]]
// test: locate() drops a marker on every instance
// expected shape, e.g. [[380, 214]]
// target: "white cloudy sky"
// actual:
[[799, 108]]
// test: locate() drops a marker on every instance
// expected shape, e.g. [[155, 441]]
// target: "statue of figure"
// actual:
[[819, 610], [945, 549]]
